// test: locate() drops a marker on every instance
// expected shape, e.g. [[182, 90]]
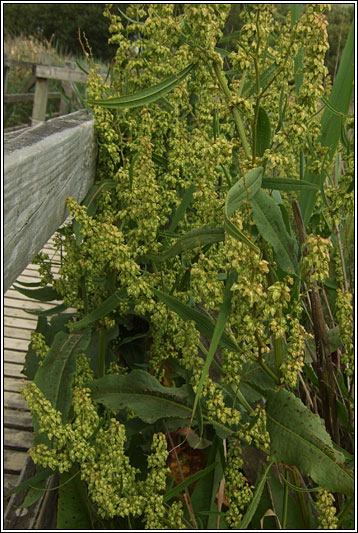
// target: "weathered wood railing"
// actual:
[[41, 73], [43, 165]]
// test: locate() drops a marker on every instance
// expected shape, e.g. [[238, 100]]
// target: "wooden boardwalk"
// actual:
[[18, 324]]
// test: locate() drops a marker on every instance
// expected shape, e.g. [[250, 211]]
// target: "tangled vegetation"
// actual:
[[211, 271]]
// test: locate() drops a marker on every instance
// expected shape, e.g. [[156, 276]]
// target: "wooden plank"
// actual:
[[17, 420], [60, 73], [16, 333], [20, 345], [19, 323], [14, 461], [14, 400], [27, 97], [14, 356], [10, 482], [43, 166], [14, 384], [13, 312], [18, 440], [13, 370], [19, 303]]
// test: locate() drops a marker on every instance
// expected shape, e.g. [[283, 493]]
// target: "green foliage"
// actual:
[[212, 339]]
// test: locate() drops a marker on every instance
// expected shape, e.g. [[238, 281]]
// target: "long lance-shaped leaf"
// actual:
[[184, 204], [146, 96], [106, 307], [287, 184], [268, 219], [192, 239], [234, 231], [243, 189], [195, 477], [202, 323], [255, 500], [339, 99], [54, 377], [299, 438], [45, 294], [218, 331], [263, 132]]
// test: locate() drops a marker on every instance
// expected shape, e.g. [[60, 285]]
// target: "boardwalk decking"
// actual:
[[18, 324]]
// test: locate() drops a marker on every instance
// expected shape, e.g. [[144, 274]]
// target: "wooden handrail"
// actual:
[[43, 165]]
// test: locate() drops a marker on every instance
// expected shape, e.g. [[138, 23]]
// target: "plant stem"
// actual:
[[102, 346], [285, 503], [236, 114]]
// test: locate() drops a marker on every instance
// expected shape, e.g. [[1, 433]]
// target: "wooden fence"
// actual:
[[43, 165], [41, 73]]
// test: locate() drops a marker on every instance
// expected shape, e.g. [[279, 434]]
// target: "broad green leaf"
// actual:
[[139, 391], [104, 309], [263, 132], [45, 294], [202, 322], [286, 184], [217, 334], [299, 438], [54, 377], [244, 189], [255, 500], [268, 219], [184, 204], [73, 511], [192, 239], [146, 96]]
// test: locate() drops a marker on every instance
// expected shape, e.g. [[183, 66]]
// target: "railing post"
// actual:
[[40, 101], [41, 94]]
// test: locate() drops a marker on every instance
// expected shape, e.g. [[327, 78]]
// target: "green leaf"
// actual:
[[299, 438], [286, 184], [73, 505], [146, 96], [104, 309], [182, 486], [234, 231], [202, 323], [255, 500], [263, 132], [217, 334], [44, 474], [192, 239], [244, 189], [184, 204], [54, 377], [339, 99], [45, 294], [48, 312], [268, 219], [340, 96], [139, 391]]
